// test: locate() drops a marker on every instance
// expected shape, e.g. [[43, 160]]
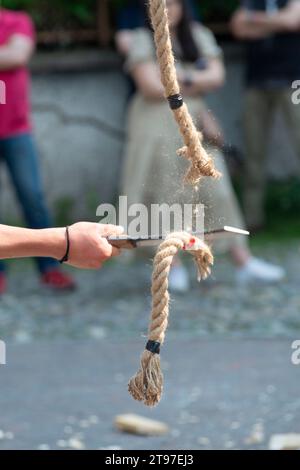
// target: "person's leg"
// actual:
[[222, 208], [21, 157], [257, 121], [291, 113]]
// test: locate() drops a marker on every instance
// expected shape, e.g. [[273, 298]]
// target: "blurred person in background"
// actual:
[[271, 29], [134, 16], [17, 147], [152, 172]]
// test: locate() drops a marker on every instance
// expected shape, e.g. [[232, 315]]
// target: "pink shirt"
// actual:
[[15, 114]]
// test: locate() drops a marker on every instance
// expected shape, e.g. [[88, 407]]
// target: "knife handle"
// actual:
[[122, 243]]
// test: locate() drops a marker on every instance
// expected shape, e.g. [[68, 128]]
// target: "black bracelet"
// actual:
[[66, 257]]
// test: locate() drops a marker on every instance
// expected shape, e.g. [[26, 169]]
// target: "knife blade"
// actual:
[[129, 243]]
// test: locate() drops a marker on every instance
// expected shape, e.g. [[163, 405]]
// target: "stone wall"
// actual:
[[79, 127]]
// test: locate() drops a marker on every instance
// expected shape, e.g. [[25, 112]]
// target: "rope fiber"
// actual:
[[201, 164], [146, 386]]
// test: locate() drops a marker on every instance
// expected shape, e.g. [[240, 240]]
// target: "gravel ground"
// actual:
[[118, 299], [69, 358], [219, 394]]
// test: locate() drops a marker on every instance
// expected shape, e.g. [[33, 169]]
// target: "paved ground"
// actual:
[[118, 299], [218, 394], [227, 361]]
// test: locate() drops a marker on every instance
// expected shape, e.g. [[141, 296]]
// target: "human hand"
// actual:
[[261, 22], [89, 247], [186, 80], [250, 25]]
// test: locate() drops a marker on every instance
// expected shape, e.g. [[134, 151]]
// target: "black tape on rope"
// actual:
[[153, 347], [175, 101]]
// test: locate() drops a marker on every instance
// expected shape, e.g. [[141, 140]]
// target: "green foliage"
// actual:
[[64, 210], [53, 14], [282, 211], [283, 208], [18, 4], [209, 10], [216, 10], [284, 198], [91, 203]]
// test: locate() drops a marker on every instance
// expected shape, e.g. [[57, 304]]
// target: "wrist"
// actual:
[[66, 256], [54, 242]]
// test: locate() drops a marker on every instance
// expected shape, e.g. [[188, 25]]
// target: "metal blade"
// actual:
[[126, 242], [238, 231]]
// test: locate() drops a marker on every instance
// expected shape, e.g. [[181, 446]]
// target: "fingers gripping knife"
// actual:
[[129, 243]]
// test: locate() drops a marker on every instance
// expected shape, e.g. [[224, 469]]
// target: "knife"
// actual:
[[129, 243]]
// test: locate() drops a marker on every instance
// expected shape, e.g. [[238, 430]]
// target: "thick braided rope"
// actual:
[[146, 386], [201, 164]]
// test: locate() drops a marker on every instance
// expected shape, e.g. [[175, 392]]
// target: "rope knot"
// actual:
[[201, 163]]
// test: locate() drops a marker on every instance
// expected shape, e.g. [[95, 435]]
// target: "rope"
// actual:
[[146, 386], [201, 164]]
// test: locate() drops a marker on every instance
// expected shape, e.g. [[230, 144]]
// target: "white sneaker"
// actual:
[[257, 270], [179, 279]]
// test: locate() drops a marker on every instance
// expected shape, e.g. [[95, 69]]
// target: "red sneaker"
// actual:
[[56, 279], [3, 283]]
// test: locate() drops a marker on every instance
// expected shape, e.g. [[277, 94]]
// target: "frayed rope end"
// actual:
[[147, 385]]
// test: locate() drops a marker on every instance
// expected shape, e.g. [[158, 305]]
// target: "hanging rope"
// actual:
[[146, 386], [201, 164]]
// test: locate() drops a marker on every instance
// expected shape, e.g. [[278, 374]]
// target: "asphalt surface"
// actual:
[[229, 379], [231, 394]]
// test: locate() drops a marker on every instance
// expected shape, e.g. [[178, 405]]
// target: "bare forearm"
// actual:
[[284, 21], [249, 30], [7, 60], [20, 243], [259, 25], [197, 82], [154, 92], [152, 88], [205, 82], [243, 26], [148, 82], [16, 53]]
